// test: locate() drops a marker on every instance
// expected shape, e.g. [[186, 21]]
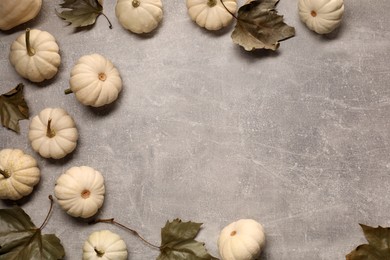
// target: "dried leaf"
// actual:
[[378, 247], [21, 239], [82, 12], [178, 242], [260, 27], [13, 108]]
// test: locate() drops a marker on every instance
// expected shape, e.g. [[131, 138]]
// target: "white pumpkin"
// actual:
[[19, 174], [241, 240], [211, 14], [35, 55], [95, 81], [80, 191], [13, 13], [104, 245], [53, 133], [321, 16], [139, 16]]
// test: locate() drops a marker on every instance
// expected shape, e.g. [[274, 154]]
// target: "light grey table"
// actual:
[[204, 131]]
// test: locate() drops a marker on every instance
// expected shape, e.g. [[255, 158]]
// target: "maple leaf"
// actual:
[[13, 108], [82, 12], [378, 247], [178, 242], [21, 239], [260, 27]]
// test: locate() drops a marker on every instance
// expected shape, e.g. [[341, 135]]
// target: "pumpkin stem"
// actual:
[[108, 20], [5, 173], [49, 132], [68, 91], [229, 10], [48, 214], [313, 13], [99, 252], [85, 194], [102, 76], [212, 3], [112, 221], [30, 50], [136, 3]]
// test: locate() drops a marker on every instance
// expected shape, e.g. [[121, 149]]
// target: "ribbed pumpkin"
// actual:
[[241, 240], [15, 12], [80, 191], [95, 81], [53, 133], [321, 16], [211, 14], [104, 245], [35, 55], [139, 16], [19, 174]]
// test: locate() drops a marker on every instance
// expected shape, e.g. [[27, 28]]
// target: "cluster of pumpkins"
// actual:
[[96, 82], [143, 16]]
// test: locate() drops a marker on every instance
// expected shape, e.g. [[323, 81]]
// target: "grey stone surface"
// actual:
[[297, 139]]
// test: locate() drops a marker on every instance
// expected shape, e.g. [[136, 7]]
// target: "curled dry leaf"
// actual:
[[260, 27], [378, 247], [13, 108]]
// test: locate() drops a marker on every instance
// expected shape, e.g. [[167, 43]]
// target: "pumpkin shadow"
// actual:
[[24, 200], [66, 159], [106, 109]]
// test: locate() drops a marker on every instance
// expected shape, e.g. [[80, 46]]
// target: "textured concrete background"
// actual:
[[297, 139]]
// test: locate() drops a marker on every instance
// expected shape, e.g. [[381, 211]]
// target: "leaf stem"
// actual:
[[48, 214], [5, 173], [30, 50], [68, 91], [229, 10], [108, 20], [112, 221]]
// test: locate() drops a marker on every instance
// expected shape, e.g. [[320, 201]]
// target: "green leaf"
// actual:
[[378, 247], [178, 242], [21, 239], [260, 27], [82, 12], [13, 108]]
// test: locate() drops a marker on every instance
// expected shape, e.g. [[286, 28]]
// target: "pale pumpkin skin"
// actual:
[[95, 81], [104, 245], [19, 174], [40, 64], [62, 137], [13, 13], [80, 191], [321, 16], [139, 16], [241, 240], [211, 14]]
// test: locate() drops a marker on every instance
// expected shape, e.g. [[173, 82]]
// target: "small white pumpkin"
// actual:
[[321, 16], [241, 240], [19, 174], [53, 133], [35, 55], [104, 245], [95, 81], [80, 191], [139, 16], [13, 13], [211, 14]]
